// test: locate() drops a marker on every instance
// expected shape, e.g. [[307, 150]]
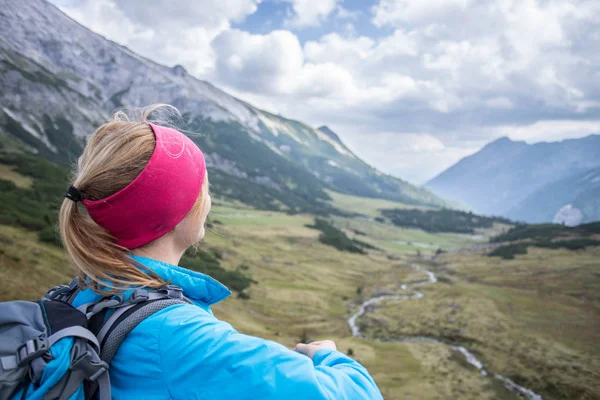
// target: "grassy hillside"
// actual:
[[370, 207], [533, 319]]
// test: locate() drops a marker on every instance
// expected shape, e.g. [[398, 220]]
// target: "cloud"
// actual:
[[397, 12], [414, 156], [344, 13], [169, 32], [307, 13], [276, 64], [460, 72], [210, 14], [549, 130], [500, 103], [259, 63]]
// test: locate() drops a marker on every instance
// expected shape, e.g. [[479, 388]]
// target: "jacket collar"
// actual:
[[195, 285]]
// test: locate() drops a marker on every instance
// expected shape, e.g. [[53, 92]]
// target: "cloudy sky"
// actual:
[[410, 85]]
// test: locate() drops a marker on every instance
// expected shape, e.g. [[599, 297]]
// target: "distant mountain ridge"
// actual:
[[528, 182], [59, 81]]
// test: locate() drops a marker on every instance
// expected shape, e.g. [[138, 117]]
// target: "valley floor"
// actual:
[[534, 319]]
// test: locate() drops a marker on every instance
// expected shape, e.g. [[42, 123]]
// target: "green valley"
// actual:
[[532, 319]]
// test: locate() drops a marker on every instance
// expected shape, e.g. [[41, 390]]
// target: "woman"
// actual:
[[145, 188]]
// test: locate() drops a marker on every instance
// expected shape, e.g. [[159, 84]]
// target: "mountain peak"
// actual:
[[330, 133], [504, 143], [503, 139], [179, 70]]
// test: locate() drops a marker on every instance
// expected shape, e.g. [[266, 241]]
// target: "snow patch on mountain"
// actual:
[[276, 127], [569, 215]]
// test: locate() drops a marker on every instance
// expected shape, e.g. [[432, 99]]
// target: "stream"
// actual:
[[469, 357]]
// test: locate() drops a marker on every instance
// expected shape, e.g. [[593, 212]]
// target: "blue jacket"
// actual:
[[184, 352]]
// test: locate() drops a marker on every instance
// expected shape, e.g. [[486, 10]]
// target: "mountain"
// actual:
[[529, 182], [60, 80], [572, 200]]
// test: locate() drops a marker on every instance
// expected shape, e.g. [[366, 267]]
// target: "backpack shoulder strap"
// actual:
[[121, 323], [128, 316]]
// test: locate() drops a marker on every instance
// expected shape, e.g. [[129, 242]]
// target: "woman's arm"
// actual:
[[205, 358]]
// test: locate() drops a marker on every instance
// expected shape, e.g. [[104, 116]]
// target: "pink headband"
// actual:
[[159, 198]]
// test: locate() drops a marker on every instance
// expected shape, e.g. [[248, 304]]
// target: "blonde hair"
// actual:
[[114, 156]]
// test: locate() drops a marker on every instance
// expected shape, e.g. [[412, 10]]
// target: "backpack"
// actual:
[[51, 350]]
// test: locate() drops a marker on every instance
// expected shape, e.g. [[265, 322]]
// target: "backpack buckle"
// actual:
[[32, 349], [91, 368], [58, 291], [62, 292], [172, 291], [139, 296]]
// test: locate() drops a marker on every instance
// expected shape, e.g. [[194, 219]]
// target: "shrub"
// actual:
[[573, 244], [440, 220], [36, 208], [537, 231], [207, 263], [365, 245], [334, 237], [509, 251], [546, 232]]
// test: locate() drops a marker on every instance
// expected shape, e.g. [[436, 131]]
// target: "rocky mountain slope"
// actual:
[[527, 182], [60, 80]]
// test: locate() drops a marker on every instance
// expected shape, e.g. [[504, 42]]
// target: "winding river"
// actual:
[[469, 357]]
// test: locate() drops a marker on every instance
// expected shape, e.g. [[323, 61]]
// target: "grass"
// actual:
[[366, 206], [251, 217], [302, 285], [533, 319], [386, 236], [27, 267]]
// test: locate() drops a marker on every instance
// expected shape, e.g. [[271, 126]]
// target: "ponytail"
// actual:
[[100, 262]]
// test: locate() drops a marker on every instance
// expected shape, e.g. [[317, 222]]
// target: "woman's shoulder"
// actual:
[[188, 323]]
